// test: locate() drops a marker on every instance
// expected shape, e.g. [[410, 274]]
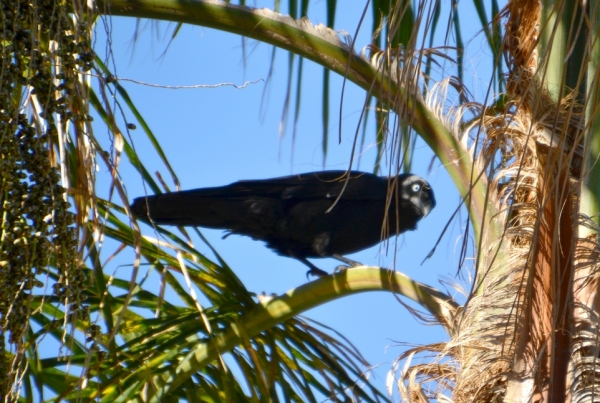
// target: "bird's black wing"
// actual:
[[313, 185], [209, 207], [253, 202]]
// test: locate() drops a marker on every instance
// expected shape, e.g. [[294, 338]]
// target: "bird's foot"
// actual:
[[349, 262], [316, 272], [341, 268]]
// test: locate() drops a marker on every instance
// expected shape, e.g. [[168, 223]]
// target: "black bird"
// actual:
[[300, 216]]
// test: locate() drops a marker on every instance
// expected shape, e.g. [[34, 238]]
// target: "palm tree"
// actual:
[[523, 162]]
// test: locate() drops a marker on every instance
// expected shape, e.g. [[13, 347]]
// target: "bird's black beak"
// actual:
[[427, 207]]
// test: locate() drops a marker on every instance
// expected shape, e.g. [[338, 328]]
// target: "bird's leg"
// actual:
[[314, 270], [349, 262]]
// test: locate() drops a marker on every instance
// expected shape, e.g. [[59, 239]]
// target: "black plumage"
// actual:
[[296, 215]]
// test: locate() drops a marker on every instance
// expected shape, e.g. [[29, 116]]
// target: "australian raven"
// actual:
[[301, 216]]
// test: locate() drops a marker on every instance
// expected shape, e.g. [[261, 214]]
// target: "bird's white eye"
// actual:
[[416, 187]]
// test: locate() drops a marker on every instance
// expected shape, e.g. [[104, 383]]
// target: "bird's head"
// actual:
[[417, 191]]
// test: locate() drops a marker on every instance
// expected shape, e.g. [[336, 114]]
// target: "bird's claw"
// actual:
[[316, 272], [349, 262], [341, 268]]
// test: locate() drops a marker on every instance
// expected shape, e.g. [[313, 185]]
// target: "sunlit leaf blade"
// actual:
[[149, 346]]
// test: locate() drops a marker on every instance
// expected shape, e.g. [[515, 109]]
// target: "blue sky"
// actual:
[[215, 136]]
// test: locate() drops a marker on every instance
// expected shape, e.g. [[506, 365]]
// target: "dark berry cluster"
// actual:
[[42, 51]]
